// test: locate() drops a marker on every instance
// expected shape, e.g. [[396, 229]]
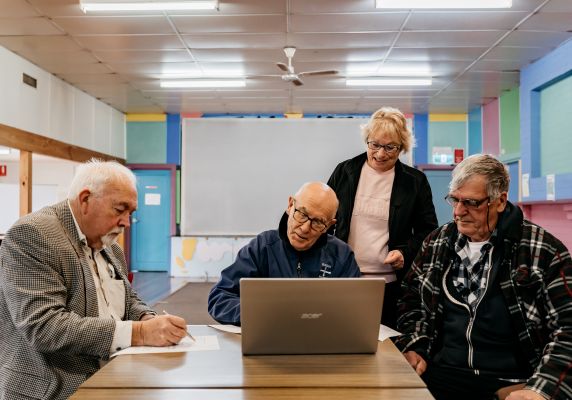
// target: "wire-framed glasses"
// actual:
[[388, 148], [467, 203], [315, 224]]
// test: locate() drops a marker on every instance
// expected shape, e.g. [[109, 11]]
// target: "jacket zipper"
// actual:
[[299, 269], [472, 314]]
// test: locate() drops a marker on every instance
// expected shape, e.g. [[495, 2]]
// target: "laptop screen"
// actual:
[[310, 315]]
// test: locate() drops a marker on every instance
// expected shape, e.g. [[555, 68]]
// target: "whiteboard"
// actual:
[[237, 174]]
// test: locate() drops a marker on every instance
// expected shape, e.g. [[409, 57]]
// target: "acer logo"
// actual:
[[310, 315]]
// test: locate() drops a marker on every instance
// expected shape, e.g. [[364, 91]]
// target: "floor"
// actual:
[[153, 287], [189, 301]]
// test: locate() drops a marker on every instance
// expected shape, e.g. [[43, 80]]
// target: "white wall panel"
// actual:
[[61, 106], [32, 112], [83, 125], [57, 110], [102, 128], [118, 134]]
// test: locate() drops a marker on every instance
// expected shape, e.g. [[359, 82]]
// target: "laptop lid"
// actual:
[[310, 315]]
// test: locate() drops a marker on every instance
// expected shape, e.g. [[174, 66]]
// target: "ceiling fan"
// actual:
[[290, 75]]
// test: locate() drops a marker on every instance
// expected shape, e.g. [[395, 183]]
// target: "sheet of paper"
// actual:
[[203, 343], [386, 332], [227, 328]]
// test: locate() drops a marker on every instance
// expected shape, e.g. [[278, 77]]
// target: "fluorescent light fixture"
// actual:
[[388, 82], [4, 150], [142, 5], [207, 74], [407, 4], [204, 83], [400, 72]]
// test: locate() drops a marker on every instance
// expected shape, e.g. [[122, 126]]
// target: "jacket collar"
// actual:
[[282, 232]]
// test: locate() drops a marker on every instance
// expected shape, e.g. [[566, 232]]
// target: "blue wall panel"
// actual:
[[420, 130], [475, 131], [174, 139]]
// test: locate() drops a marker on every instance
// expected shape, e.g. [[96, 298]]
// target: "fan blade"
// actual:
[[324, 72], [282, 66], [297, 82]]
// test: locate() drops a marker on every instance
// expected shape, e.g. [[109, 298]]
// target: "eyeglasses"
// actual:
[[467, 203], [388, 148], [315, 224]]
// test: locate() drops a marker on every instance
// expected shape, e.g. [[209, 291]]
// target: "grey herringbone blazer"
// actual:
[[51, 338]]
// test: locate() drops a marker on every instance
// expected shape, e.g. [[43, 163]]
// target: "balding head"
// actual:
[[311, 211], [319, 193]]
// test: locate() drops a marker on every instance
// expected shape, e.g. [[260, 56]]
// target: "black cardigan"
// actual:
[[411, 212]]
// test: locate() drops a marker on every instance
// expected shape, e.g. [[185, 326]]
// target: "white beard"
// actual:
[[110, 238]]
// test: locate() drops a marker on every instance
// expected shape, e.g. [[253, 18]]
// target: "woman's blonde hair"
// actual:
[[391, 121]]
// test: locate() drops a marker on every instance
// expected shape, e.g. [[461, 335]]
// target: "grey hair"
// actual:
[[95, 174], [391, 121], [493, 170]]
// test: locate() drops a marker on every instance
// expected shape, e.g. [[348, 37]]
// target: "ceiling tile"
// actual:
[[448, 39], [142, 56], [549, 21], [235, 40], [27, 26], [131, 42], [227, 24], [88, 25], [356, 23], [463, 20]]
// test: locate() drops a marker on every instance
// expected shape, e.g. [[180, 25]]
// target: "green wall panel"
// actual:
[[510, 125], [146, 142], [447, 134], [555, 128]]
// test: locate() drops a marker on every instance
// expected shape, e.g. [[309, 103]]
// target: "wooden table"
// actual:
[[254, 394], [228, 374]]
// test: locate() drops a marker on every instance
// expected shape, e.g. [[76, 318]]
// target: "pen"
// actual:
[[188, 334]]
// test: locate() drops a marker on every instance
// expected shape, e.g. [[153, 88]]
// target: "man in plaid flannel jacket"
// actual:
[[487, 305]]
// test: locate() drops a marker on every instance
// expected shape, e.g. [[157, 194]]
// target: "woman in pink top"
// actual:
[[386, 207]]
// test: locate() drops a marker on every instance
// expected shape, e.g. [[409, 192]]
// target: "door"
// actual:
[[150, 230]]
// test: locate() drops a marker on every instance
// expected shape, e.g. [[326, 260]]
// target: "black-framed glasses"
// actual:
[[388, 148], [315, 224], [467, 203]]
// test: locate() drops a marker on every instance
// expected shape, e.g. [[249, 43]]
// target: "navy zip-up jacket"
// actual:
[[270, 255]]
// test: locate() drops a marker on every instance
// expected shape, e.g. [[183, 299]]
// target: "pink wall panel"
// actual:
[[491, 131], [555, 218]]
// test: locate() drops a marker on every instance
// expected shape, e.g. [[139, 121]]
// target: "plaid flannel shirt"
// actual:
[[535, 276], [471, 280]]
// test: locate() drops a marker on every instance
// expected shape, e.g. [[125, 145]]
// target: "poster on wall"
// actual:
[[442, 155], [550, 187]]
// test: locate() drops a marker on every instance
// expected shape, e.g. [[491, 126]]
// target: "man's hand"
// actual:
[[395, 259], [416, 361], [162, 330], [524, 394]]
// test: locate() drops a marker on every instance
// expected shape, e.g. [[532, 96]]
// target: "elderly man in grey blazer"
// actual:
[[65, 302]]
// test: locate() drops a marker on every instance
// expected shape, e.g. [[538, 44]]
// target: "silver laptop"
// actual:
[[310, 315]]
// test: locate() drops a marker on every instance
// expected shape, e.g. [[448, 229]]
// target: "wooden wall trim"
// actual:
[[25, 182], [34, 143]]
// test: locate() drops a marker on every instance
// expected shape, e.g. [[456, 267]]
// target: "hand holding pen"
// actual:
[[188, 334]]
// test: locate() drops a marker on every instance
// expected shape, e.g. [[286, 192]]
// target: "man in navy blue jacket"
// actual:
[[300, 248]]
